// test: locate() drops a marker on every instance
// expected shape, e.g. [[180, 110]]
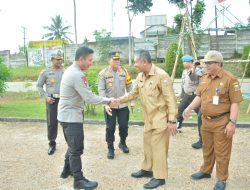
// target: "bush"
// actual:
[[4, 76], [170, 59], [92, 76], [246, 50]]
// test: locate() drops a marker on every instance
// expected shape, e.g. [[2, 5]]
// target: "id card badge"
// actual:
[[215, 100]]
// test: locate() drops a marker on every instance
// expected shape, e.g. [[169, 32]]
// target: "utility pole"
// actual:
[[216, 28], [24, 45]]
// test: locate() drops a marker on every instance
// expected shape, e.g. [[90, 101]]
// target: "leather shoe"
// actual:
[[85, 184], [220, 185], [52, 149], [200, 175], [124, 147], [111, 153], [197, 145], [142, 173], [154, 183]]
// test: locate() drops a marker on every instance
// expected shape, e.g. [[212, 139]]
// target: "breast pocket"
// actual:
[[224, 96], [153, 89]]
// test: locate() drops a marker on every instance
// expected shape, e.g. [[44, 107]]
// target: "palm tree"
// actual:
[[57, 30]]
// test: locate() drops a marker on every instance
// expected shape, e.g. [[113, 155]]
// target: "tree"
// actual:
[[4, 76], [198, 13], [248, 21], [134, 7], [104, 43], [180, 3], [57, 30]]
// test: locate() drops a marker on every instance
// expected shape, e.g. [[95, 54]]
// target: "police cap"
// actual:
[[114, 55], [57, 54]]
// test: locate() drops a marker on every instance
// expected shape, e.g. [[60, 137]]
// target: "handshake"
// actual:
[[114, 102]]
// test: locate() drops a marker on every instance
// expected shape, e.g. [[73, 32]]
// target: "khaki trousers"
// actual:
[[155, 144], [216, 146]]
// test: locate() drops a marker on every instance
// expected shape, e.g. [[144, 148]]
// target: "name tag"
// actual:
[[215, 100]]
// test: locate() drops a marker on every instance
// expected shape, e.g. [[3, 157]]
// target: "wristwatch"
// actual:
[[233, 121], [172, 122]]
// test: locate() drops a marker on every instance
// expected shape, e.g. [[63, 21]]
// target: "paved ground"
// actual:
[[25, 165]]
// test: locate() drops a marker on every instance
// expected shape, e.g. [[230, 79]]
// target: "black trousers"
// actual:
[[122, 116], [52, 122], [74, 136], [186, 100]]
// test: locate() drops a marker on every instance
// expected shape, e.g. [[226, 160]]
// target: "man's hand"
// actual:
[[114, 102], [230, 130], [186, 113], [50, 100], [172, 128], [108, 110]]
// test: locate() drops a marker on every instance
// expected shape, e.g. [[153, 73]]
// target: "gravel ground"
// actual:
[[24, 163]]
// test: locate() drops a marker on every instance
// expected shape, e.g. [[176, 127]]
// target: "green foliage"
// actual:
[[104, 43], [170, 59], [177, 22], [89, 109], [139, 6], [4, 76], [179, 3], [198, 13], [245, 54], [57, 30]]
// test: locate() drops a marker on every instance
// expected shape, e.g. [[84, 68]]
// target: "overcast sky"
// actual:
[[92, 15]]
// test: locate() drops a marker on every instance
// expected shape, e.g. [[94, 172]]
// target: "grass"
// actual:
[[30, 105]]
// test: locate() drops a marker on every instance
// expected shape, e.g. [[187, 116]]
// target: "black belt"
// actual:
[[217, 116]]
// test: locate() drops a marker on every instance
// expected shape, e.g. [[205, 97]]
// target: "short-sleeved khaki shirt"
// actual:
[[225, 86]]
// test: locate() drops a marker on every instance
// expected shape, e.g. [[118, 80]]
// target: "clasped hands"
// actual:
[[113, 102]]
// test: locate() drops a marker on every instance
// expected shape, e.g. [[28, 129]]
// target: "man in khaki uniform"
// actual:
[[155, 89], [115, 81], [51, 77], [219, 95]]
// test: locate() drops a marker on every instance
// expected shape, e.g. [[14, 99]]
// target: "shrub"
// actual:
[[246, 50], [170, 59], [4, 76]]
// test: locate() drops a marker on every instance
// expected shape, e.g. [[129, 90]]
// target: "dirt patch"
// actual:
[[24, 163]]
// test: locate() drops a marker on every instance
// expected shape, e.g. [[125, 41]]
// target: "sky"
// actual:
[[93, 15]]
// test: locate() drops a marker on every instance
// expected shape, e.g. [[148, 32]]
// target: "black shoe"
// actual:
[[66, 171], [85, 184], [200, 175], [197, 145], [154, 183], [220, 185], [142, 173], [124, 147], [111, 153], [52, 149]]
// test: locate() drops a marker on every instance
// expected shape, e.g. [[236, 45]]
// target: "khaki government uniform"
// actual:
[[216, 146], [158, 106]]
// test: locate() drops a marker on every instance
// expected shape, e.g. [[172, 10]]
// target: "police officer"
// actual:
[[155, 89], [115, 81], [51, 78], [74, 91], [190, 80], [219, 95]]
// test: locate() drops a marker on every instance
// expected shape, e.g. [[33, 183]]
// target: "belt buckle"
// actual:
[[56, 95]]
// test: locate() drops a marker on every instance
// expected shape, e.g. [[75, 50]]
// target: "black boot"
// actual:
[[80, 182], [111, 151], [124, 147], [66, 170]]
